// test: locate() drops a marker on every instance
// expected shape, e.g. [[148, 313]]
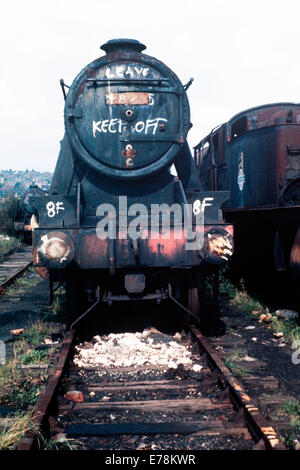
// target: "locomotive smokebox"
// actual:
[[126, 114], [55, 250]]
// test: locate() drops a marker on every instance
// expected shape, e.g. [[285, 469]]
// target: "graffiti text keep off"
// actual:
[[115, 125]]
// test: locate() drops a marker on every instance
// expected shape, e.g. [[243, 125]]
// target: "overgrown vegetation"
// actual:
[[232, 361], [7, 244], [292, 409], [240, 299], [57, 311], [34, 357], [20, 424], [8, 210], [51, 444], [291, 437], [19, 387]]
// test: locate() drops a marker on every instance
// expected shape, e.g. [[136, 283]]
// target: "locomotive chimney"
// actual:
[[122, 45]]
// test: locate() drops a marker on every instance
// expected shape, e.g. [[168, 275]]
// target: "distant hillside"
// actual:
[[17, 181]]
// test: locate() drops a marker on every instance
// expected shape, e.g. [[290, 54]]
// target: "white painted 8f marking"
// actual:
[[199, 206], [53, 209]]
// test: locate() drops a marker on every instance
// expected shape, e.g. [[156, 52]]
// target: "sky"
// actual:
[[240, 54]]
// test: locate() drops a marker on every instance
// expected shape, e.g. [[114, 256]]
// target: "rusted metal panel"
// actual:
[[127, 98], [259, 162], [263, 116], [159, 250]]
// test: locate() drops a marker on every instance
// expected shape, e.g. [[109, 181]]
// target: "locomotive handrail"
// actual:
[[91, 82], [130, 80], [151, 89]]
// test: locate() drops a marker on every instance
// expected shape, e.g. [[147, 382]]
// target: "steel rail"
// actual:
[[261, 431], [46, 399], [14, 276], [255, 420]]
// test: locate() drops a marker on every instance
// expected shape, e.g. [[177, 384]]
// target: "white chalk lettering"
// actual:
[[200, 207], [54, 209], [123, 71], [129, 72], [151, 99], [108, 73], [120, 71], [153, 123], [96, 127], [111, 125], [115, 125], [140, 126], [104, 125]]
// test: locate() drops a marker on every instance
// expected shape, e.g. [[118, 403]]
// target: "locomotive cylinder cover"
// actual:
[[122, 100]]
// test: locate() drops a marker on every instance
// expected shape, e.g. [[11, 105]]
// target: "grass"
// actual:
[[34, 335], [22, 397], [10, 436], [56, 311], [9, 374], [292, 436], [25, 281], [51, 444], [231, 361], [34, 357], [36, 332], [20, 388], [292, 409], [240, 299], [6, 246], [289, 328]]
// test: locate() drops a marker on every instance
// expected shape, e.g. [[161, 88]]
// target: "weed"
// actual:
[[240, 371], [8, 375], [23, 396], [10, 436], [34, 357], [290, 437], [292, 409], [51, 444], [289, 328], [35, 332], [8, 244], [234, 356], [231, 360]]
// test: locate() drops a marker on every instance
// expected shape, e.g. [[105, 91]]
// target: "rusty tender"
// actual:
[[256, 156]]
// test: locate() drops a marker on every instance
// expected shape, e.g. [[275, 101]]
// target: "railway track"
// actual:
[[150, 407], [13, 266]]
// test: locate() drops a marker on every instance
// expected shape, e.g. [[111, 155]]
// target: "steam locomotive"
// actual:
[[24, 213], [256, 156], [126, 218]]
